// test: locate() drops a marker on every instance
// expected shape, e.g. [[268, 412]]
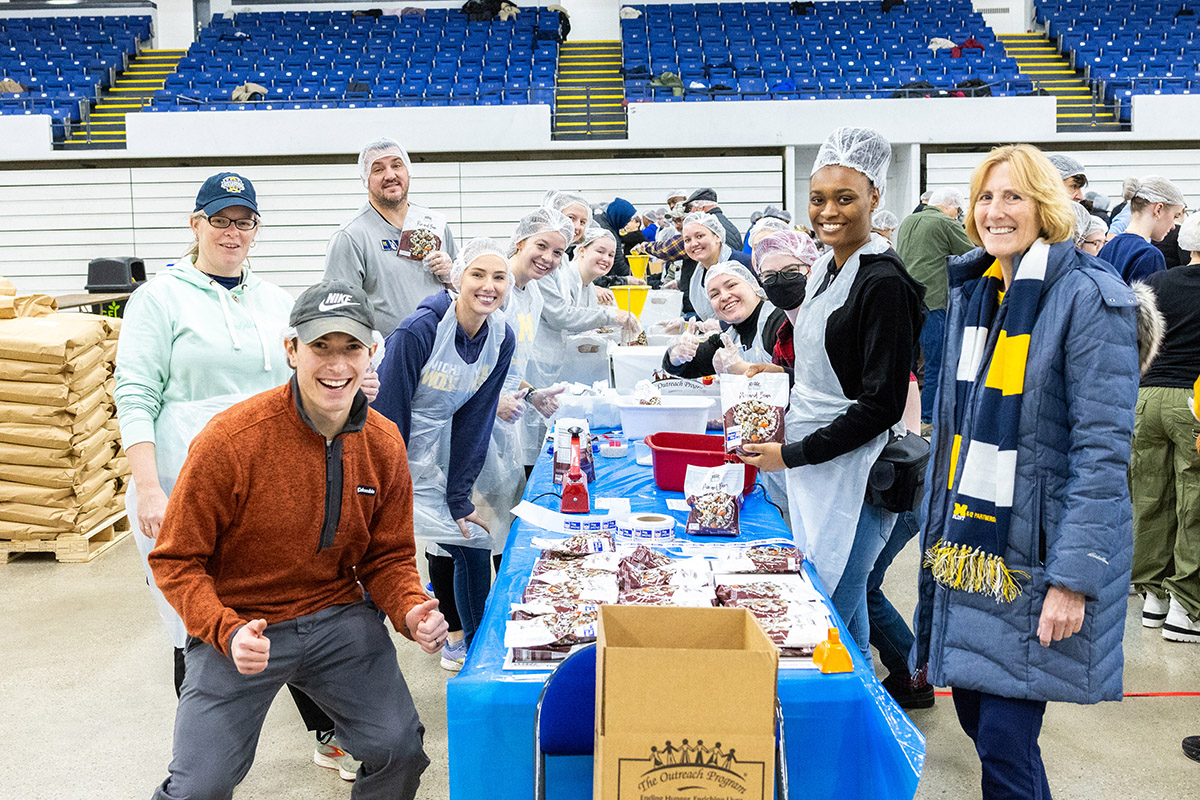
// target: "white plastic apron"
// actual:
[[502, 479], [176, 426], [447, 383], [545, 363], [524, 315], [825, 499]]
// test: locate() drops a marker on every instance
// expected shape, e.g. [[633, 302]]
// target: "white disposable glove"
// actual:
[[629, 324], [673, 284], [439, 263], [511, 406], [729, 359], [604, 296], [710, 325], [684, 350], [546, 400], [671, 326]]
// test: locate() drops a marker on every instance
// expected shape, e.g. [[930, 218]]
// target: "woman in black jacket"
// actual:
[[853, 343]]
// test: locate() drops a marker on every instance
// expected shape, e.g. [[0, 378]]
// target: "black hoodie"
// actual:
[[870, 343]]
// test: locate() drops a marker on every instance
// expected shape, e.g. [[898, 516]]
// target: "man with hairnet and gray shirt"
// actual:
[[399, 253], [924, 242]]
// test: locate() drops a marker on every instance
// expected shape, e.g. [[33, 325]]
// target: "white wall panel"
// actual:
[[1105, 169], [52, 222]]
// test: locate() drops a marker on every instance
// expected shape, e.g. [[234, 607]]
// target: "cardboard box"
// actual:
[[679, 686]]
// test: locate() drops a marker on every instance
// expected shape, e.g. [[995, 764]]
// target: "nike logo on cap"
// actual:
[[336, 300]]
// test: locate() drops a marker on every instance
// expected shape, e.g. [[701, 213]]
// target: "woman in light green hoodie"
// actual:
[[204, 334]]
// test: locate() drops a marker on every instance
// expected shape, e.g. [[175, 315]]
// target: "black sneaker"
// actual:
[[1191, 747], [908, 692]]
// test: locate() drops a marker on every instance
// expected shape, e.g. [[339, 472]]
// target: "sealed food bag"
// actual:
[[753, 409], [715, 495]]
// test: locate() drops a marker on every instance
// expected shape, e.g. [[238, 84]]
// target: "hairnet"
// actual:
[[677, 211], [709, 221], [885, 220], [1067, 167], [861, 149], [1095, 225], [1157, 189], [594, 232], [479, 246], [560, 201], [378, 149], [925, 195], [755, 216], [679, 193], [1099, 201], [541, 220], [1083, 219], [772, 224], [735, 269], [1189, 233], [1127, 187], [777, 213], [947, 196], [793, 243]]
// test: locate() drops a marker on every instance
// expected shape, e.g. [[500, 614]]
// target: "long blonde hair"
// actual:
[[1033, 175]]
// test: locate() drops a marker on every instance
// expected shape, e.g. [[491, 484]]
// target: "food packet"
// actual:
[[754, 409], [570, 625], [647, 394], [715, 495]]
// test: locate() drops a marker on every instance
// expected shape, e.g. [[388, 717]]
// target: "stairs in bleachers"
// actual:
[[130, 93], [589, 100], [1077, 106]]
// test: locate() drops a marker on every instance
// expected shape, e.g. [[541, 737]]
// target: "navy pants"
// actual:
[[341, 657], [1005, 732]]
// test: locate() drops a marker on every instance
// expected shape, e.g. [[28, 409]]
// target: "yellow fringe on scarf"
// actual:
[[958, 566]]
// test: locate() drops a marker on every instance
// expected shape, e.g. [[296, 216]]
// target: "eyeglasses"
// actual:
[[241, 224]]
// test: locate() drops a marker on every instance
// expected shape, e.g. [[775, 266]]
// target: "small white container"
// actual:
[[676, 413]]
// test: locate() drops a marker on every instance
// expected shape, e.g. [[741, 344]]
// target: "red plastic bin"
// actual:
[[672, 452]]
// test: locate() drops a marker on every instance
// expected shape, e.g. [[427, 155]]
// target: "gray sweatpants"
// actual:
[[344, 659]]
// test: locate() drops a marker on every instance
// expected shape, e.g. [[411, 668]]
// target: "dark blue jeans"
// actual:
[[1005, 732], [933, 334], [472, 582], [890, 634]]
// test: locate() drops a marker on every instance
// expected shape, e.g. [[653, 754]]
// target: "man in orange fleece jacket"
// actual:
[[287, 502]]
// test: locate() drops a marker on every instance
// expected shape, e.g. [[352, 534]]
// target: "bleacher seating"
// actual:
[[64, 62], [839, 50], [333, 59], [1128, 46]]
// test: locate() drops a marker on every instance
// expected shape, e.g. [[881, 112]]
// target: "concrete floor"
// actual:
[[85, 675]]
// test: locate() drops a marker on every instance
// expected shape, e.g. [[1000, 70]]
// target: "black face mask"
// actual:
[[785, 289]]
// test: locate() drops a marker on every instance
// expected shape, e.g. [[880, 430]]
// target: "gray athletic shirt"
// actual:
[[370, 252]]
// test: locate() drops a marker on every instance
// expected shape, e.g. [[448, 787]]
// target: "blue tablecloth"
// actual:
[[846, 737]]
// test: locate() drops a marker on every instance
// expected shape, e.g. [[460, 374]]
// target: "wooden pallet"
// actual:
[[71, 548]]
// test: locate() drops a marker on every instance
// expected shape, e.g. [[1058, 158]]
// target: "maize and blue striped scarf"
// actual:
[[987, 413]]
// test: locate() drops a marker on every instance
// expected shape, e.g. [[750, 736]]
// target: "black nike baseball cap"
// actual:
[[333, 307]]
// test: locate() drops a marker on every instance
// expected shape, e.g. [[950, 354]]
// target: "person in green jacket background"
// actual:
[[925, 240]]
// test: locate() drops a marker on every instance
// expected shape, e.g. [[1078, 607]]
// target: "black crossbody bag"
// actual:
[[896, 481]]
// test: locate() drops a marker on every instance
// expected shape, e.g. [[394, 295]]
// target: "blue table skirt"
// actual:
[[846, 737]]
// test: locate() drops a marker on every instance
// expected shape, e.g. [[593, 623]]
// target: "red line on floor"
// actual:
[[946, 693]]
